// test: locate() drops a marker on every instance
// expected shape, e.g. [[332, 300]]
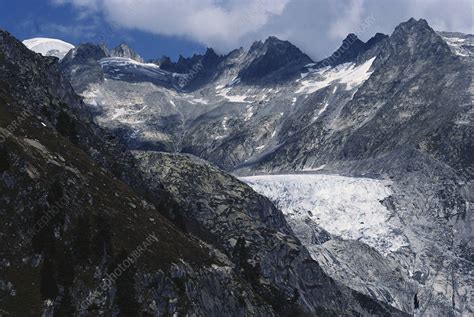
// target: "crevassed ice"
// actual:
[[346, 207]]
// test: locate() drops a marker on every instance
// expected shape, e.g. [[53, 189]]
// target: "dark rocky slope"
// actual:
[[275, 61]]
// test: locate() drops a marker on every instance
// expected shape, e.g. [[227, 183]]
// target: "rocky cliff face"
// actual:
[[80, 65], [125, 51]]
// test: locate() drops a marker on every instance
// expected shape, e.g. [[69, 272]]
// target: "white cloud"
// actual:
[[210, 22], [316, 26], [214, 23], [348, 20]]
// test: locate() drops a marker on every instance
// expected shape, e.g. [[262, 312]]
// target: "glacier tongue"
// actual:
[[347, 207], [345, 226]]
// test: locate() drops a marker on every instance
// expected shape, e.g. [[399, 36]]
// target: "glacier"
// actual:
[[346, 207]]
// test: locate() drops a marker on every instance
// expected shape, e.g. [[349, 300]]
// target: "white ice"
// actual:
[[346, 207], [349, 74]]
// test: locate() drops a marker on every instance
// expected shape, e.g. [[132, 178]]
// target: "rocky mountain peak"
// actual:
[[416, 39], [273, 40], [378, 37], [185, 64], [412, 22], [256, 46], [211, 57], [210, 52], [353, 38], [84, 60], [412, 27], [8, 44], [123, 50], [352, 49], [87, 51], [274, 43], [275, 57]]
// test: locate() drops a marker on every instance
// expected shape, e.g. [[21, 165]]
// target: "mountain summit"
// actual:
[[352, 49], [123, 50], [275, 60]]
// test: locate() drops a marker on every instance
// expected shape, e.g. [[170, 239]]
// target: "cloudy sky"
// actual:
[[173, 27]]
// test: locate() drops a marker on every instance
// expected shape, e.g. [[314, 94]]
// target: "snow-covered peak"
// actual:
[[48, 47]]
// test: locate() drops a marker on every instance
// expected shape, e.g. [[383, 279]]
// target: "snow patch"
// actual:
[[200, 100], [324, 108], [349, 74], [314, 169], [224, 123], [118, 113], [232, 98], [459, 45], [248, 113], [121, 112], [123, 61]]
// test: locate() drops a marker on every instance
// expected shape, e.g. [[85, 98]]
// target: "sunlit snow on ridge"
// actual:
[[349, 74], [123, 61], [346, 207], [48, 47], [459, 45]]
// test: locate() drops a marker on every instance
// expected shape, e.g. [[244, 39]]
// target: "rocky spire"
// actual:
[[123, 50]]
